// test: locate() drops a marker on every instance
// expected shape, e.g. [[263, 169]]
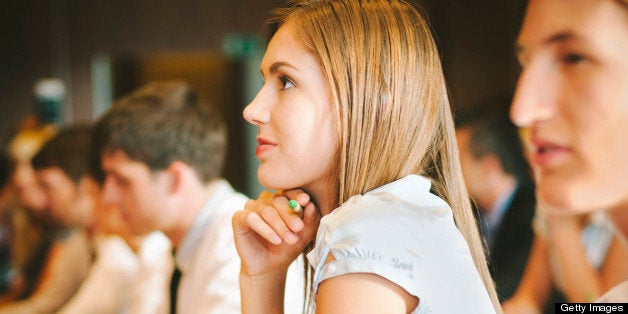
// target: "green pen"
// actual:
[[294, 206]]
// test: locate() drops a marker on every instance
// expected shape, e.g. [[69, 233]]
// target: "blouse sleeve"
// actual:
[[382, 235]]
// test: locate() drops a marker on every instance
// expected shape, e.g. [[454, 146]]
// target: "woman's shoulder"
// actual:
[[399, 219], [403, 204]]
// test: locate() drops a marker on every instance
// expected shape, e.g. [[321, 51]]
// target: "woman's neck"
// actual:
[[619, 215], [321, 194]]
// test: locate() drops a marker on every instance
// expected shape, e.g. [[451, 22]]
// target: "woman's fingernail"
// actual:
[[291, 238], [275, 239], [302, 198], [296, 225]]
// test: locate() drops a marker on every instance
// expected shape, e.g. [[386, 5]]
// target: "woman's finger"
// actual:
[[266, 197], [311, 220], [298, 195], [257, 224], [272, 217], [289, 216]]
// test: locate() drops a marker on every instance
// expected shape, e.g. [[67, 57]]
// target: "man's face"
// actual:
[[572, 101], [29, 192], [473, 171], [140, 193], [67, 202]]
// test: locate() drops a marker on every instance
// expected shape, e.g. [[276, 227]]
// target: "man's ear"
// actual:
[[177, 173], [492, 163], [87, 185]]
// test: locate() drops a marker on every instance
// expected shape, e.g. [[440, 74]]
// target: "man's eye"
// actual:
[[572, 58], [285, 82], [120, 181]]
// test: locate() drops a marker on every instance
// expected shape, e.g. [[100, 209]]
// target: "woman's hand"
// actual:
[[269, 236]]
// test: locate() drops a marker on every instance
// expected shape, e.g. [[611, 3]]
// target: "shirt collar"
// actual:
[[499, 209], [189, 245], [412, 188]]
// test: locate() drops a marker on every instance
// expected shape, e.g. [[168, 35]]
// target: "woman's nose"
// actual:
[[258, 111]]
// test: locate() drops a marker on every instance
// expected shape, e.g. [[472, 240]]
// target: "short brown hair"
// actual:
[[163, 122], [68, 151]]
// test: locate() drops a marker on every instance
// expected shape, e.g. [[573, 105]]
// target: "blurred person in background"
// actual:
[[495, 172], [26, 143], [33, 131], [70, 256], [162, 151], [32, 231], [547, 281], [6, 195], [572, 101]]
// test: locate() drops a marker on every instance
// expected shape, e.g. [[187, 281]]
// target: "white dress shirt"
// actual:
[[150, 291], [207, 257]]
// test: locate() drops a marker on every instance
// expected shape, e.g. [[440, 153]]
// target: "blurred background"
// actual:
[[101, 50]]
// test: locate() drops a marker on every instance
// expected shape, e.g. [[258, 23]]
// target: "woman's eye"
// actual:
[[285, 82]]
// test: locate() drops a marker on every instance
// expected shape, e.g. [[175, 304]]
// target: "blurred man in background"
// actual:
[[162, 152], [494, 169]]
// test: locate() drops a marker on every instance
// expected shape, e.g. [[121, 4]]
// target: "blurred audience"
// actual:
[[91, 264], [496, 176], [68, 260]]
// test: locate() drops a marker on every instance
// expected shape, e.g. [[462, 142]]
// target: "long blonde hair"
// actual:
[[389, 92]]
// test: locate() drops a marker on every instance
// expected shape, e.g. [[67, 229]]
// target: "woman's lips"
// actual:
[[263, 146]]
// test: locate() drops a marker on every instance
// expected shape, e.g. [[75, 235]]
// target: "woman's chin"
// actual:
[[271, 182]]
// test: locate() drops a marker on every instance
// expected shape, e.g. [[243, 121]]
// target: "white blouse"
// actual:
[[402, 232]]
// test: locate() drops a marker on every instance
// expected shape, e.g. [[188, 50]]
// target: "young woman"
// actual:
[[354, 113], [572, 100]]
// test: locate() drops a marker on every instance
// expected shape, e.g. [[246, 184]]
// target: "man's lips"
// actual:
[[263, 146], [546, 153]]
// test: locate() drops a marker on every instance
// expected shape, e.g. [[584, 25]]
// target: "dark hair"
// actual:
[[160, 123], [6, 168], [493, 133], [68, 150]]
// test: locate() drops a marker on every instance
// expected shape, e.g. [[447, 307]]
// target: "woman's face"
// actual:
[[572, 98], [297, 130]]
